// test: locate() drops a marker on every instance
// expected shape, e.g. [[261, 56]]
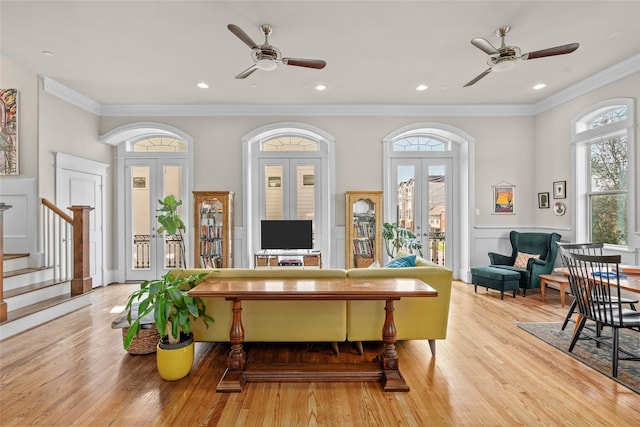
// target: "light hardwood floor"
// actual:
[[73, 371]]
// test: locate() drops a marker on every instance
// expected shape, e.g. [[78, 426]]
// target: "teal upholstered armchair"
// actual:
[[532, 254]]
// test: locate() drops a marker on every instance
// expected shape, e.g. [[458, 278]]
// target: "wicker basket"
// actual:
[[145, 343]]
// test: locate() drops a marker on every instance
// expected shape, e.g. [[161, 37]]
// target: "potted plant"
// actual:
[[397, 237], [171, 222], [173, 309]]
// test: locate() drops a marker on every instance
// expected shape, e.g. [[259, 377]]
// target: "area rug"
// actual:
[[588, 353]]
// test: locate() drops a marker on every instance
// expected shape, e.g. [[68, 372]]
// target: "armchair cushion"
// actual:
[[522, 259]]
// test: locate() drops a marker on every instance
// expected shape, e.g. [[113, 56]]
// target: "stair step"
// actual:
[[42, 312], [10, 293], [20, 271], [34, 308], [14, 256]]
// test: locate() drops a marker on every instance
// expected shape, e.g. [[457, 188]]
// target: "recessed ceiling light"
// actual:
[[539, 86], [320, 87], [47, 53], [203, 85], [422, 87]]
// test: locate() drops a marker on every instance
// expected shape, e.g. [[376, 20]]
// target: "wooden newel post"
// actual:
[[81, 282], [3, 305]]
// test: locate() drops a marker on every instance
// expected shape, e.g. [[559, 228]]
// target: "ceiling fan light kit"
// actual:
[[267, 57], [504, 57]]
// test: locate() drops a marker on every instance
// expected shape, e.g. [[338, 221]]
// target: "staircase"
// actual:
[[33, 297]]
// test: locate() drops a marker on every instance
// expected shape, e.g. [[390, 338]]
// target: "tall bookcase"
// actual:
[[213, 229], [363, 222]]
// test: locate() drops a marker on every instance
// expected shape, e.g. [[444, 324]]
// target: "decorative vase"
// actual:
[[175, 360]]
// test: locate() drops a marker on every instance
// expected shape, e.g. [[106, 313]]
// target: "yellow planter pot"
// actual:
[[175, 360]]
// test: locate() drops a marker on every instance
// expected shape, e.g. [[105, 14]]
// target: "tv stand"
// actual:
[[302, 258]]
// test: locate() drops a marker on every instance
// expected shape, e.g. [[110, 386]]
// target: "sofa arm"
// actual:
[[499, 259]]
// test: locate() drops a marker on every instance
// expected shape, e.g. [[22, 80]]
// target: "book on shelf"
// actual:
[[362, 247]]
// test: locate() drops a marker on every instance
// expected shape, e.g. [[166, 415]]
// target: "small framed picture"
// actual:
[[543, 200], [560, 190], [139, 182]]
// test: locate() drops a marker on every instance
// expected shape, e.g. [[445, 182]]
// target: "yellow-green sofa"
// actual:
[[328, 321]]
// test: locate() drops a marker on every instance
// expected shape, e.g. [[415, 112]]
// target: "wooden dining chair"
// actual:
[[594, 280], [590, 248]]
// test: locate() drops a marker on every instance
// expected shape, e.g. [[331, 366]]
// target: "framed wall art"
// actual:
[[543, 200], [8, 132], [560, 190], [503, 199]]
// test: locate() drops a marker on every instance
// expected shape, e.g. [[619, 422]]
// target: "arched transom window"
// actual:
[[289, 143], [157, 144], [421, 143]]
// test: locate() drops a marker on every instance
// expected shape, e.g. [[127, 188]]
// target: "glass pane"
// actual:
[[609, 164], [613, 115], [364, 233], [173, 249], [406, 208], [437, 213], [140, 217], [609, 218], [211, 228], [273, 192], [305, 175]]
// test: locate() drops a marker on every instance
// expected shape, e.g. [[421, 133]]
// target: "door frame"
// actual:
[[90, 168], [463, 192], [120, 137], [251, 154]]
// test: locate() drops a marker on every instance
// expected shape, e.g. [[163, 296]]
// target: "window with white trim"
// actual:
[[603, 152]]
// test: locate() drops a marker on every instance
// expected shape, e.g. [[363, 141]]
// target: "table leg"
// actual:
[[233, 378], [543, 285], [392, 379]]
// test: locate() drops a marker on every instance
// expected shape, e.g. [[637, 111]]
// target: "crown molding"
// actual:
[[602, 78], [57, 89], [333, 110], [598, 80]]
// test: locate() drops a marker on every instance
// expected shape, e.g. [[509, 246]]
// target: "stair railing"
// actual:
[[65, 244]]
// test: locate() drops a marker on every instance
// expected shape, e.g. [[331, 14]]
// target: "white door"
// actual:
[[290, 189], [424, 194], [80, 188], [149, 255]]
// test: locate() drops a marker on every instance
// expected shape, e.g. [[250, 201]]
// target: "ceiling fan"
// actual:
[[267, 57], [504, 57]]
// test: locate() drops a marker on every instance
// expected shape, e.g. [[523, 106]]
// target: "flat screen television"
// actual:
[[286, 234]]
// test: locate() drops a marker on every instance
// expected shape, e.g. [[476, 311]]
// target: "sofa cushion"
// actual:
[[422, 262], [405, 261], [523, 258]]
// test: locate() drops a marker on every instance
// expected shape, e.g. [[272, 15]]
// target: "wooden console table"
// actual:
[[383, 368]]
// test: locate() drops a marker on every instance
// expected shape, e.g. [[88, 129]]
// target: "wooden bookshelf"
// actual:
[[363, 222], [213, 229]]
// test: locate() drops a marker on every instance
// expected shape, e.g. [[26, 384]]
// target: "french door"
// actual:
[[148, 254], [423, 189], [290, 189]]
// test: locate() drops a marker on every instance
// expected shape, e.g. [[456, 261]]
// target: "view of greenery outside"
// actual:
[[608, 195]]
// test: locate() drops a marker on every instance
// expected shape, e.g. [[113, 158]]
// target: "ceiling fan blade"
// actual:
[[309, 63], [239, 32], [552, 51], [484, 46], [246, 73], [481, 75]]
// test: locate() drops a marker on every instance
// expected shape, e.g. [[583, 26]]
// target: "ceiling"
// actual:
[[377, 52]]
